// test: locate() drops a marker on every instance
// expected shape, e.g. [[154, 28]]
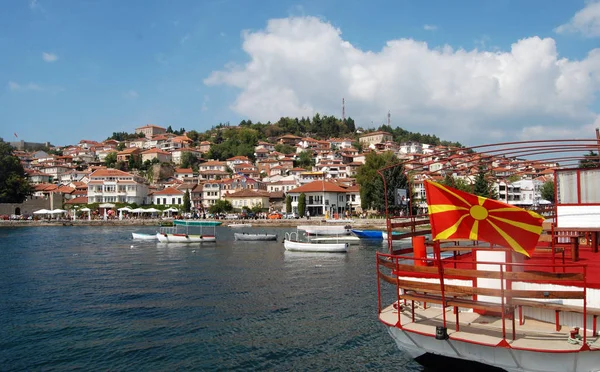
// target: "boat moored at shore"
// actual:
[[188, 231]]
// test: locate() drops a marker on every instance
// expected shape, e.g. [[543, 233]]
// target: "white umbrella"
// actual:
[[106, 205], [86, 209], [42, 211], [138, 210], [125, 209], [57, 211], [152, 210]]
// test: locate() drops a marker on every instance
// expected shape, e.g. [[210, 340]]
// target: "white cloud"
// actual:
[[131, 94], [33, 87], [185, 38], [429, 27], [49, 57], [301, 66], [586, 21], [35, 5]]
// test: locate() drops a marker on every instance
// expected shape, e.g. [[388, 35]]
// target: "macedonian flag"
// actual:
[[455, 214]]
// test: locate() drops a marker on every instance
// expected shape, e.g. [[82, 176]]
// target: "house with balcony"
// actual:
[[289, 139], [36, 177], [211, 192], [212, 170], [185, 174], [176, 155], [322, 198], [282, 186], [248, 198], [237, 160], [115, 186], [127, 153], [154, 153]]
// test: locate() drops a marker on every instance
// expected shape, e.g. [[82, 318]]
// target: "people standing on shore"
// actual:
[[308, 215]]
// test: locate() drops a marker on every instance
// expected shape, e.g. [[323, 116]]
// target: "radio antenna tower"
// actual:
[[343, 110], [389, 119]]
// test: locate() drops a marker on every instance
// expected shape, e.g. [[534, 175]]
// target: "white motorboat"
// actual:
[[254, 237], [238, 225], [141, 236], [184, 231], [292, 243], [298, 246], [326, 230]]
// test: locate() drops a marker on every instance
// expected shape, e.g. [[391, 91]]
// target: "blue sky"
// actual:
[[72, 70]]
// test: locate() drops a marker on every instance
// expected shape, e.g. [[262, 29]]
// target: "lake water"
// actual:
[[91, 298]]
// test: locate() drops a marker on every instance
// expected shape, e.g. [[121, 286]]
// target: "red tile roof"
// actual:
[[169, 191], [317, 186]]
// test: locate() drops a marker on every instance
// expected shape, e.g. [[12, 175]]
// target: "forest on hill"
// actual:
[[240, 140]]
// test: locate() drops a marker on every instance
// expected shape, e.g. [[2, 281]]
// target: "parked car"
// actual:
[[275, 216], [291, 216]]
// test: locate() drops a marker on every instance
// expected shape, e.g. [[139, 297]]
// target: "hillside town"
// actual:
[[80, 176]]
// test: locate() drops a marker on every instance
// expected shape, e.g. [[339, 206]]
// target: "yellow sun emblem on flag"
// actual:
[[460, 215]]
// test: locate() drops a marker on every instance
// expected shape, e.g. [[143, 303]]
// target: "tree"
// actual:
[[305, 160], [590, 160], [220, 206], [457, 183], [14, 185], [371, 184], [188, 160], [121, 146], [187, 203], [111, 159], [301, 204], [482, 187], [285, 149], [547, 191], [257, 208], [288, 204]]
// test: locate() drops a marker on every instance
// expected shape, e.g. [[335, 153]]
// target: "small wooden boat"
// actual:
[[184, 231], [141, 236], [368, 234], [254, 237]]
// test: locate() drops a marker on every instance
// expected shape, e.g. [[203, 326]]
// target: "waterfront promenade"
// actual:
[[358, 223]]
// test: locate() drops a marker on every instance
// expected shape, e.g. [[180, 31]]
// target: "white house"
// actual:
[[115, 186], [322, 198], [168, 196]]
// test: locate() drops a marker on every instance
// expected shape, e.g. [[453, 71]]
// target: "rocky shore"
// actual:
[[359, 223]]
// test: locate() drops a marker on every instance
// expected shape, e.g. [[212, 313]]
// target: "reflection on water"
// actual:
[[92, 298]]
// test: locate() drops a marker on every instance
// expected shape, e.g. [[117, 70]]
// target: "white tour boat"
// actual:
[[188, 231], [487, 304]]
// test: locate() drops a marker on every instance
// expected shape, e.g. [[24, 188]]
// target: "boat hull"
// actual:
[[238, 225], [325, 230], [254, 237], [368, 234], [140, 236], [185, 238], [295, 246], [417, 345]]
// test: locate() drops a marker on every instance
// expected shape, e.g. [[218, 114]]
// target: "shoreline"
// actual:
[[370, 223]]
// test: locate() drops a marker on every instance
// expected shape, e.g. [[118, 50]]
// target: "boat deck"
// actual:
[[487, 330]]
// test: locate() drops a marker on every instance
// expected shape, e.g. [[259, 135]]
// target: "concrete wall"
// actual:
[[31, 205]]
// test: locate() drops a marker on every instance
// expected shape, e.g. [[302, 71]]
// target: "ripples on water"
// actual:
[[91, 298]]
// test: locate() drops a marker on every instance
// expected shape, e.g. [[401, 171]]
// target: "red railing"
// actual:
[[402, 266]]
